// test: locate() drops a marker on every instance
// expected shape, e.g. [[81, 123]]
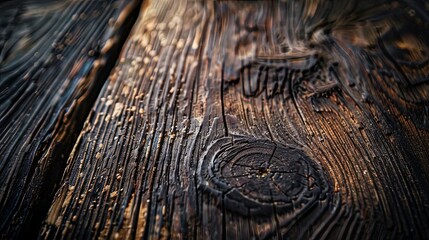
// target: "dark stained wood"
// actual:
[[54, 59], [240, 120], [249, 120]]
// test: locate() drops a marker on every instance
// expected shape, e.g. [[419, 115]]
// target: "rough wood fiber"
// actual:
[[289, 119], [54, 59]]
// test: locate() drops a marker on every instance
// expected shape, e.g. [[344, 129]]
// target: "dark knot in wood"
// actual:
[[257, 177]]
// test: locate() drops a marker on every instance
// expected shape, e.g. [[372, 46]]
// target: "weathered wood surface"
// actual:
[[225, 119], [54, 59]]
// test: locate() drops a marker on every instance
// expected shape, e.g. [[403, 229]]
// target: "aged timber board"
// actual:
[[257, 119], [54, 59], [264, 119]]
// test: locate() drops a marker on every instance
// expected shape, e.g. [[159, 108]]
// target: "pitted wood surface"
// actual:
[[257, 119]]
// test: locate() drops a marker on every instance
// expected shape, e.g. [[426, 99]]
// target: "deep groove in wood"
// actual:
[[66, 117]]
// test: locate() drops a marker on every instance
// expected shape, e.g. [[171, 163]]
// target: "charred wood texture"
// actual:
[[54, 59], [219, 120]]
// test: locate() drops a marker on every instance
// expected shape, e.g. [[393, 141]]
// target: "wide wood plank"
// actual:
[[289, 119], [54, 59]]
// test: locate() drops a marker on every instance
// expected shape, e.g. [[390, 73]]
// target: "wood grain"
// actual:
[[54, 59], [237, 120]]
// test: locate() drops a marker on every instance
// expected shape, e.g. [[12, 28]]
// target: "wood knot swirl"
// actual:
[[254, 177]]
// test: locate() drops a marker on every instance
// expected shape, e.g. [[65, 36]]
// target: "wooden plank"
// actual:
[[291, 119], [54, 59]]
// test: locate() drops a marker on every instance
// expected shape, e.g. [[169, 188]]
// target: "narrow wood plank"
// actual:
[[54, 59], [289, 119]]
